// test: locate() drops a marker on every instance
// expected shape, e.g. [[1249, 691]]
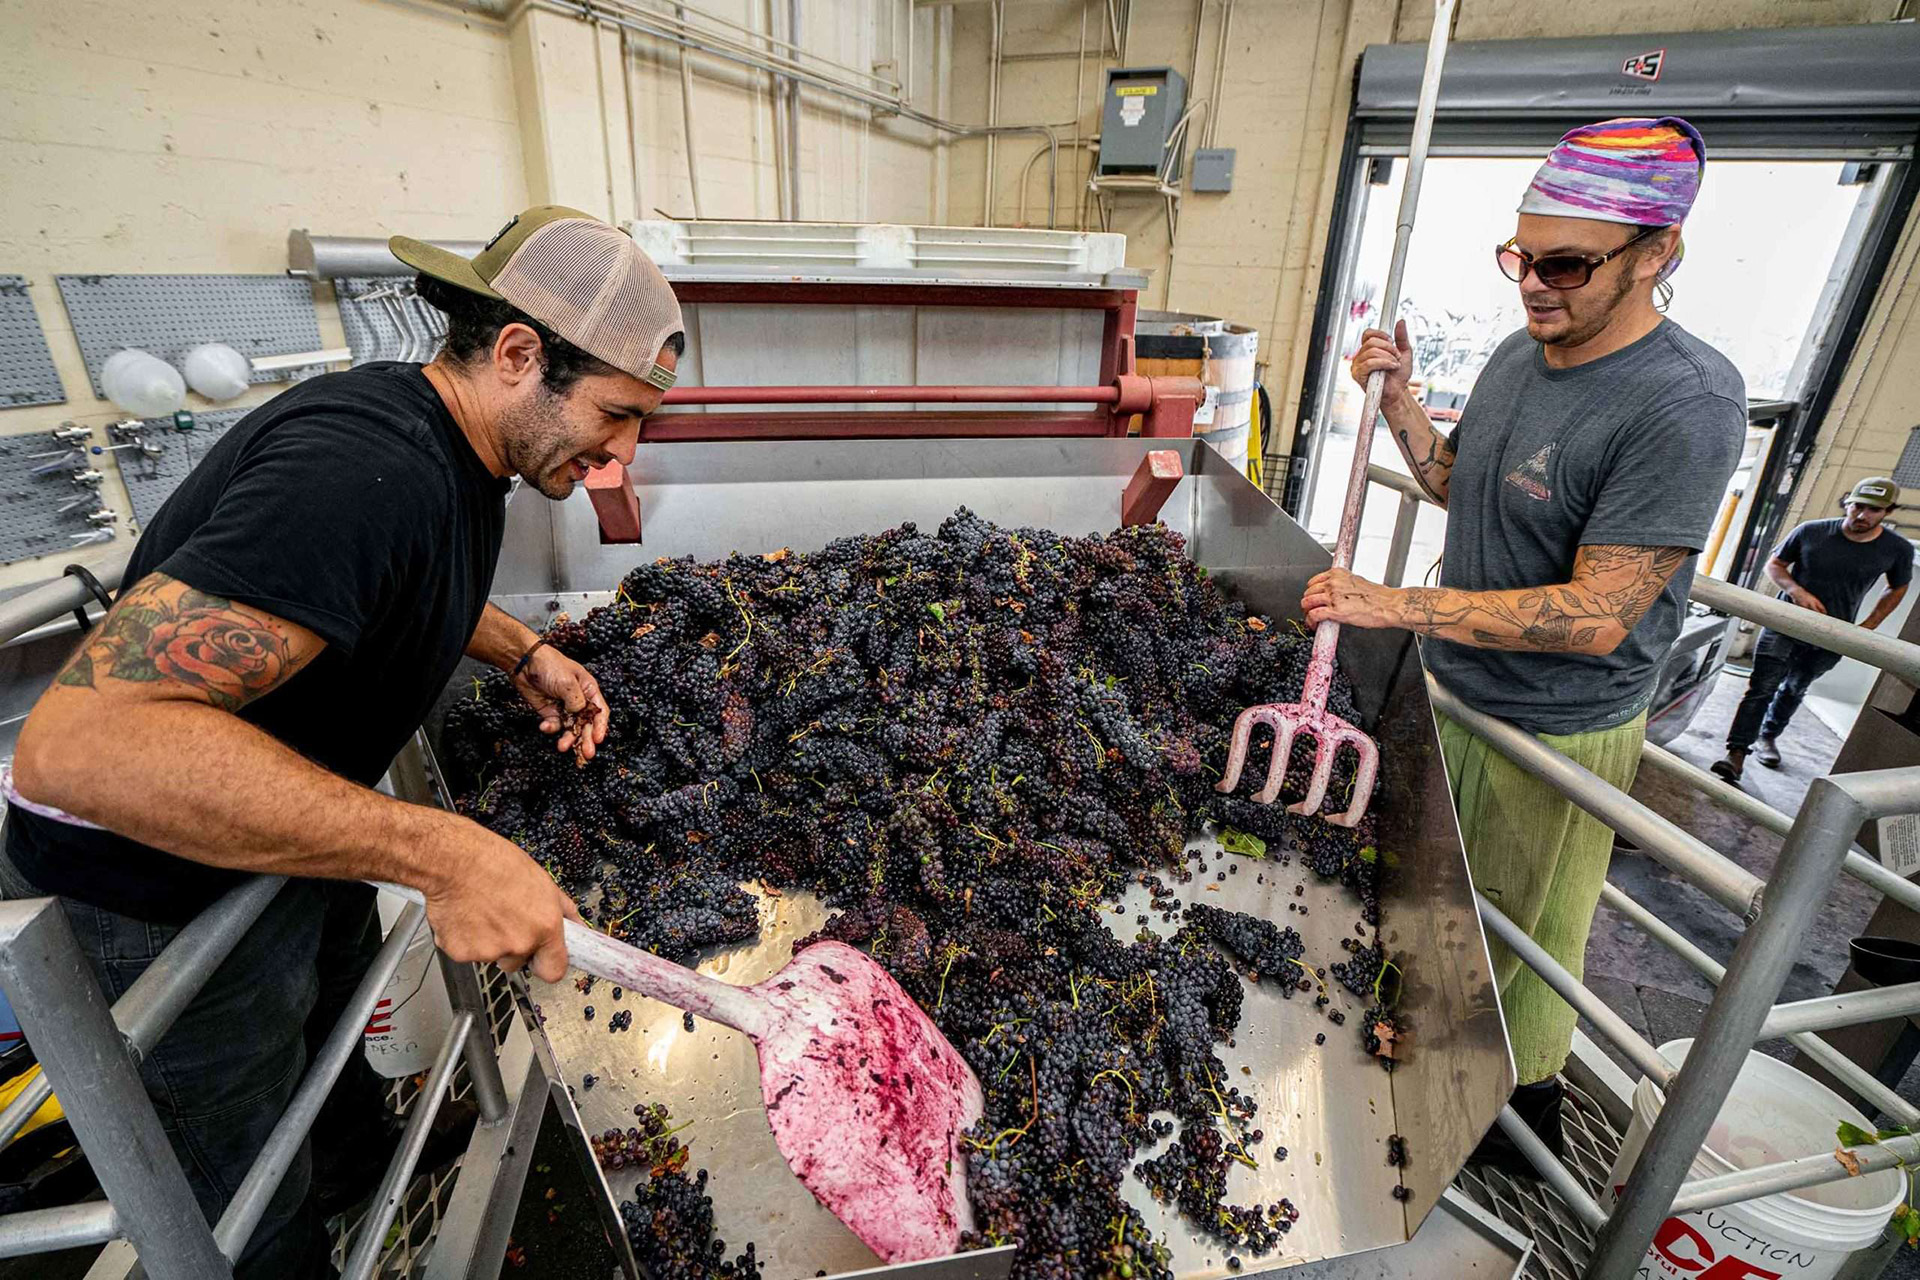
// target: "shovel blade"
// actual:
[[867, 1101]]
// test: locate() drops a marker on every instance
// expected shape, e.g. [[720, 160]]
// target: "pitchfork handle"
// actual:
[[1326, 636]]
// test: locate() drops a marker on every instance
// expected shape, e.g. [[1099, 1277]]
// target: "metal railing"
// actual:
[[89, 1056], [1818, 846]]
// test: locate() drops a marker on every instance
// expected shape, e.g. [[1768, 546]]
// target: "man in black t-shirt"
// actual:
[[289, 616], [1826, 566]]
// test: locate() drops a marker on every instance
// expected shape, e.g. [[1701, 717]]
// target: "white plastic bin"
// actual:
[[413, 1014], [1774, 1113]]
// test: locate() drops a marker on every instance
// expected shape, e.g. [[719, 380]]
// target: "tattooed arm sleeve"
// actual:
[[1611, 589], [164, 639]]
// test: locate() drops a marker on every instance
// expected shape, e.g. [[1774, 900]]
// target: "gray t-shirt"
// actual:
[[1632, 449]]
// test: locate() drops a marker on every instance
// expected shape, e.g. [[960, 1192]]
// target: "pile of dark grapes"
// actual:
[[969, 744]]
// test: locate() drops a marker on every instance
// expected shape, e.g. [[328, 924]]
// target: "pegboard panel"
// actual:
[[385, 320], [31, 523], [27, 375], [151, 481], [168, 315]]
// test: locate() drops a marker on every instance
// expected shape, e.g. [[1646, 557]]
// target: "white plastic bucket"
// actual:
[[412, 1016], [1774, 1113]]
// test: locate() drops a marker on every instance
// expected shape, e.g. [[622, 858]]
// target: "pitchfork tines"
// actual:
[[1309, 716]]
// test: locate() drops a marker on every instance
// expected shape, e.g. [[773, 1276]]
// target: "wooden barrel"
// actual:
[[1219, 353]]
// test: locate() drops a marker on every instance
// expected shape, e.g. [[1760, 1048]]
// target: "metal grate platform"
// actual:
[[1562, 1245]]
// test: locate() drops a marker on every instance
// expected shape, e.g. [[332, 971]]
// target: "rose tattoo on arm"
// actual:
[[163, 630]]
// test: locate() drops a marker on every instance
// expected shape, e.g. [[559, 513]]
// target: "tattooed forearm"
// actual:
[[1429, 454], [164, 631], [1611, 589], [1432, 463]]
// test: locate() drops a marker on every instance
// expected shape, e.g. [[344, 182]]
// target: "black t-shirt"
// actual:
[[1839, 570], [353, 506]]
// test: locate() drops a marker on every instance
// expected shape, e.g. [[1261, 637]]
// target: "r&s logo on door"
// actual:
[[1644, 66]]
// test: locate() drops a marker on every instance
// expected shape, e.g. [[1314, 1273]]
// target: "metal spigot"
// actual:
[[66, 459]]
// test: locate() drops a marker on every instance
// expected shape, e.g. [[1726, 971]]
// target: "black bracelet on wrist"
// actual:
[[526, 657]]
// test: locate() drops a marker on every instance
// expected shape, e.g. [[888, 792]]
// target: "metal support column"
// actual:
[[1590, 1006], [1841, 1067], [1802, 877], [244, 1211], [158, 995], [1405, 514], [483, 1064], [367, 1245], [65, 1016], [478, 1220], [67, 1226]]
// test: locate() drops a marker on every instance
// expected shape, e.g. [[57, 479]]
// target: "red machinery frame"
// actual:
[[1165, 405]]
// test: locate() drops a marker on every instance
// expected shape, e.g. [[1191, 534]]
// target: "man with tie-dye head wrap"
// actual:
[[1579, 485]]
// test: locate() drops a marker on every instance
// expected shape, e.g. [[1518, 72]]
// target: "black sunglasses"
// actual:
[[1558, 270]]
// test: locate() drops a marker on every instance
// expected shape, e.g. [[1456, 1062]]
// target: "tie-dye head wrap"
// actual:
[[1637, 171]]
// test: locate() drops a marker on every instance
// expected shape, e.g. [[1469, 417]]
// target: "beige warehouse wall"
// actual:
[[619, 145], [191, 136], [1255, 255]]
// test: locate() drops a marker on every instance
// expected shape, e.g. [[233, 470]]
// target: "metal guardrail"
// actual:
[[89, 1056], [1818, 845]]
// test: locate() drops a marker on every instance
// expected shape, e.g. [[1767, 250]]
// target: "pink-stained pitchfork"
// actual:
[[1310, 715]]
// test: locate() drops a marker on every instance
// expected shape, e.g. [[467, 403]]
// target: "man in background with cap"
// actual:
[[1581, 481], [291, 614], [1826, 566]]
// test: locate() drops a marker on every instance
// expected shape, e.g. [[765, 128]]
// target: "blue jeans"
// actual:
[[229, 1065], [1783, 670]]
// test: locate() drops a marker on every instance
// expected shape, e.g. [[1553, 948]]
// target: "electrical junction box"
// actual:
[[1141, 107], [1212, 169]]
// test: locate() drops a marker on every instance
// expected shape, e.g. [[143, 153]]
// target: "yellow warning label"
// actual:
[[1137, 90]]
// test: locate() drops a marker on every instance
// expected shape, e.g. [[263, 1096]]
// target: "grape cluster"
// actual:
[[1269, 950], [669, 1223], [969, 743]]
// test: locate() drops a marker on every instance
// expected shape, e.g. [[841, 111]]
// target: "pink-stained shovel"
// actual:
[[866, 1099], [1310, 714]]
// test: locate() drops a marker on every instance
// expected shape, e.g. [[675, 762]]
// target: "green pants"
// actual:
[[1541, 860]]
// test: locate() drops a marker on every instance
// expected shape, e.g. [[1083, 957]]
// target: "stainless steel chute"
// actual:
[[1331, 1105]]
